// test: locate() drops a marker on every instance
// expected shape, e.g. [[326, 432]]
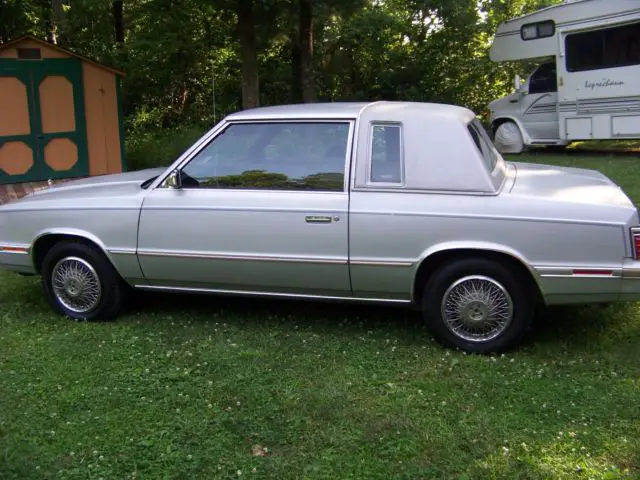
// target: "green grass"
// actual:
[[207, 387], [632, 145]]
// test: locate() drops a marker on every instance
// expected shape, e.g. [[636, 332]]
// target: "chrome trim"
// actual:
[[57, 208], [388, 188], [274, 258], [381, 263], [269, 294], [369, 164], [319, 218], [250, 209], [487, 217], [16, 248], [210, 136], [631, 273], [568, 272], [253, 258], [122, 251]]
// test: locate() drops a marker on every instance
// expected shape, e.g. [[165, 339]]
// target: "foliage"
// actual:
[[175, 50], [205, 387], [154, 148]]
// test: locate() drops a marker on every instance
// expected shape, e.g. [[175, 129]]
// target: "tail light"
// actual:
[[635, 242]]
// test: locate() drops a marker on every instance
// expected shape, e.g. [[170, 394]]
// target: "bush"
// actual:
[[159, 148]]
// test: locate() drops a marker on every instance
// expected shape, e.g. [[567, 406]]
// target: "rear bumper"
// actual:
[[630, 281], [570, 285]]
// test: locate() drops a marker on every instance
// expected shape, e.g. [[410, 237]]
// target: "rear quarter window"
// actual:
[[483, 144], [386, 160]]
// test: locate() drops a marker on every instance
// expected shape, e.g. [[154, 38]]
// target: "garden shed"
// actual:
[[60, 115]]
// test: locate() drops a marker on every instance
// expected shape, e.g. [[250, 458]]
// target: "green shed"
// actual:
[[60, 114]]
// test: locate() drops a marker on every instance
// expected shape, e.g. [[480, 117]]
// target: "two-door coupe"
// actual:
[[397, 202]]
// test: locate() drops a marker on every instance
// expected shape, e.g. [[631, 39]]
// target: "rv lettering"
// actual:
[[604, 83]]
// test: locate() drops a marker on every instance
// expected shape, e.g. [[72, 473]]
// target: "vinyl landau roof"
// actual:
[[347, 110]]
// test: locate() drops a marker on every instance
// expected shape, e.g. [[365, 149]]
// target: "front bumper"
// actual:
[[16, 258]]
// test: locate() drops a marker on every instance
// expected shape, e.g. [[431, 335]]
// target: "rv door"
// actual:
[[539, 105]]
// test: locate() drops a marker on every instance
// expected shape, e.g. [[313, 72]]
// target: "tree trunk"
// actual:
[[118, 21], [248, 54], [307, 79], [296, 80], [50, 17]]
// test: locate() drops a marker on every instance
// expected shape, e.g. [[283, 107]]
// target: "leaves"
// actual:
[[183, 56]]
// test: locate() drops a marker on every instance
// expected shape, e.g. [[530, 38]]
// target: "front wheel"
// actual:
[[80, 282], [477, 305], [508, 138]]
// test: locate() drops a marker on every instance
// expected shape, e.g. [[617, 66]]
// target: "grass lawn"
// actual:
[[206, 387]]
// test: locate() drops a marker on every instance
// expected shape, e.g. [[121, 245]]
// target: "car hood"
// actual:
[[567, 184], [96, 187]]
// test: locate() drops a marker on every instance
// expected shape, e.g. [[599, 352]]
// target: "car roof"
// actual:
[[347, 110]]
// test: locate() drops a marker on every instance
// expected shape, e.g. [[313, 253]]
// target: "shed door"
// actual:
[[42, 126]]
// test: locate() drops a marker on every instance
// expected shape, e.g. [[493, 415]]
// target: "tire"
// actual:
[[105, 295], [446, 291], [508, 139]]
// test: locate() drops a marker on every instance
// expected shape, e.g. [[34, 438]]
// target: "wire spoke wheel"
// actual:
[[76, 285], [477, 309]]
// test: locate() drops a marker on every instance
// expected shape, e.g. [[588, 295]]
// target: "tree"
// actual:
[[118, 21], [245, 29], [307, 78]]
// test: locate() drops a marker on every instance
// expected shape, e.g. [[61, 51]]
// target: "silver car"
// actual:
[[391, 202]]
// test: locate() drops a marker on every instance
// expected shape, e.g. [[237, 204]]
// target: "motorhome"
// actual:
[[587, 83]]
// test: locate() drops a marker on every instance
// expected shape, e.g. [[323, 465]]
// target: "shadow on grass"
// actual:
[[575, 327], [586, 328], [317, 314]]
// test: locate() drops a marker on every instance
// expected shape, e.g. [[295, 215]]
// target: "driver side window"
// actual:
[[274, 156], [544, 79]]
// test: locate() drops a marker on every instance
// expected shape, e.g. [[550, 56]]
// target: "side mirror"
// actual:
[[173, 180], [518, 83]]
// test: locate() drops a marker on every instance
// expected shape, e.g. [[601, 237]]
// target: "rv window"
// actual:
[[531, 31], [608, 48]]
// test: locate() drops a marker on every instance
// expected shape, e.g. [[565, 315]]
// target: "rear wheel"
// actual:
[[80, 282], [477, 305]]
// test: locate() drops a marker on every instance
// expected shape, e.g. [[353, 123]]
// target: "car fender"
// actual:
[[480, 246], [74, 232]]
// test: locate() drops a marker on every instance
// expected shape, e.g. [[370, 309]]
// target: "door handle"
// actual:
[[318, 219]]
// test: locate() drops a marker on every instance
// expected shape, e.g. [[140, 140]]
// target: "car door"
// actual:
[[540, 105], [260, 208]]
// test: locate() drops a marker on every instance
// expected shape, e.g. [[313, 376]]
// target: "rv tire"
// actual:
[[508, 138]]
